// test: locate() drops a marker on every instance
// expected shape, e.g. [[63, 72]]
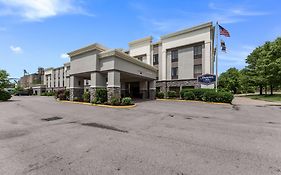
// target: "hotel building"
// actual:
[[172, 63]]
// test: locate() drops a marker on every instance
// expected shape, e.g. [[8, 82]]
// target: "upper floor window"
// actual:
[[155, 59], [197, 50], [197, 70], [174, 72], [174, 55]]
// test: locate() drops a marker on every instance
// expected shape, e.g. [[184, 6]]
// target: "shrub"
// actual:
[[223, 97], [127, 101], [188, 95], [76, 99], [86, 97], [200, 92], [62, 94], [58, 92], [101, 94], [48, 93], [183, 91], [226, 97], [66, 94], [114, 101], [96, 100], [160, 95], [171, 94], [211, 96], [4, 95]]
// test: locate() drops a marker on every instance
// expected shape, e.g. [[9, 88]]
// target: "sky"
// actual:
[[39, 33]]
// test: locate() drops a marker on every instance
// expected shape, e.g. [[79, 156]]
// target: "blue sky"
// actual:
[[37, 33]]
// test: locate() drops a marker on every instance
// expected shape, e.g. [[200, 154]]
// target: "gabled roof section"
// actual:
[[89, 48], [205, 25], [67, 64], [122, 55], [49, 68], [142, 40]]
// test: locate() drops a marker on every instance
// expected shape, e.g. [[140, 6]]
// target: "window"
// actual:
[[197, 70], [197, 51], [155, 59], [139, 58], [174, 55], [174, 72]]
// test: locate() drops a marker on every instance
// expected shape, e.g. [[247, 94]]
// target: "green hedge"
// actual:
[[101, 95], [86, 97], [62, 94], [160, 95], [4, 95], [96, 100], [115, 101], [208, 95], [172, 94], [48, 93], [223, 97], [197, 92], [188, 95], [127, 101]]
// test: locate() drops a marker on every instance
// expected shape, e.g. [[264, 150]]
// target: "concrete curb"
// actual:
[[100, 105]]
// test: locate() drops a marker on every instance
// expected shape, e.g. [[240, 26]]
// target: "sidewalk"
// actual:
[[252, 102]]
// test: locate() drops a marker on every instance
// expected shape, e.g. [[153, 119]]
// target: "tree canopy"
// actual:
[[264, 65], [230, 80], [263, 69], [4, 81]]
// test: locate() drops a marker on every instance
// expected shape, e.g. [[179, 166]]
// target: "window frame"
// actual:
[[177, 72], [155, 59], [174, 57], [197, 55]]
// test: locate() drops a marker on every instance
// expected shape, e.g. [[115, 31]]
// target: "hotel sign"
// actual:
[[207, 79]]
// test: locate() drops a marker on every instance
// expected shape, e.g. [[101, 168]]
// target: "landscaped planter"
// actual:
[[205, 95]]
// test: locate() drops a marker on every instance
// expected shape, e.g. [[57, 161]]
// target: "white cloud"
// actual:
[[36, 10], [64, 55], [229, 13], [232, 13], [16, 49]]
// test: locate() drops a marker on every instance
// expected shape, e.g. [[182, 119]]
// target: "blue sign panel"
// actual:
[[207, 79]]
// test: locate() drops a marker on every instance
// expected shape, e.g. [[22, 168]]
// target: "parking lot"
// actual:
[[155, 137]]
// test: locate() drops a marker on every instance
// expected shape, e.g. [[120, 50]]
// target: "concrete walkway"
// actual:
[[248, 101]]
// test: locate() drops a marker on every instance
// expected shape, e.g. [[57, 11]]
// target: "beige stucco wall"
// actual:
[[141, 48], [86, 62], [115, 63], [201, 35], [129, 67], [185, 63]]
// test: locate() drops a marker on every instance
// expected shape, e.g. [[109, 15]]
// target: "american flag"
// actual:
[[223, 31]]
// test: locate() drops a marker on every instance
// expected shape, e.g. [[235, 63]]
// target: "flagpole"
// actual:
[[217, 51]]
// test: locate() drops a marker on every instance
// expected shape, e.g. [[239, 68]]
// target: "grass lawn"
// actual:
[[272, 98]]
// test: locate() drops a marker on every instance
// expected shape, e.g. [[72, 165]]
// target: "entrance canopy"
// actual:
[[112, 69]]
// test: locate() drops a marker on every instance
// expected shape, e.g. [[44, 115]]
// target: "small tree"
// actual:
[[4, 81], [230, 80]]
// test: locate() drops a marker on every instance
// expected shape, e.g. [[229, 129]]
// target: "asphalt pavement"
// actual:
[[39, 135]]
